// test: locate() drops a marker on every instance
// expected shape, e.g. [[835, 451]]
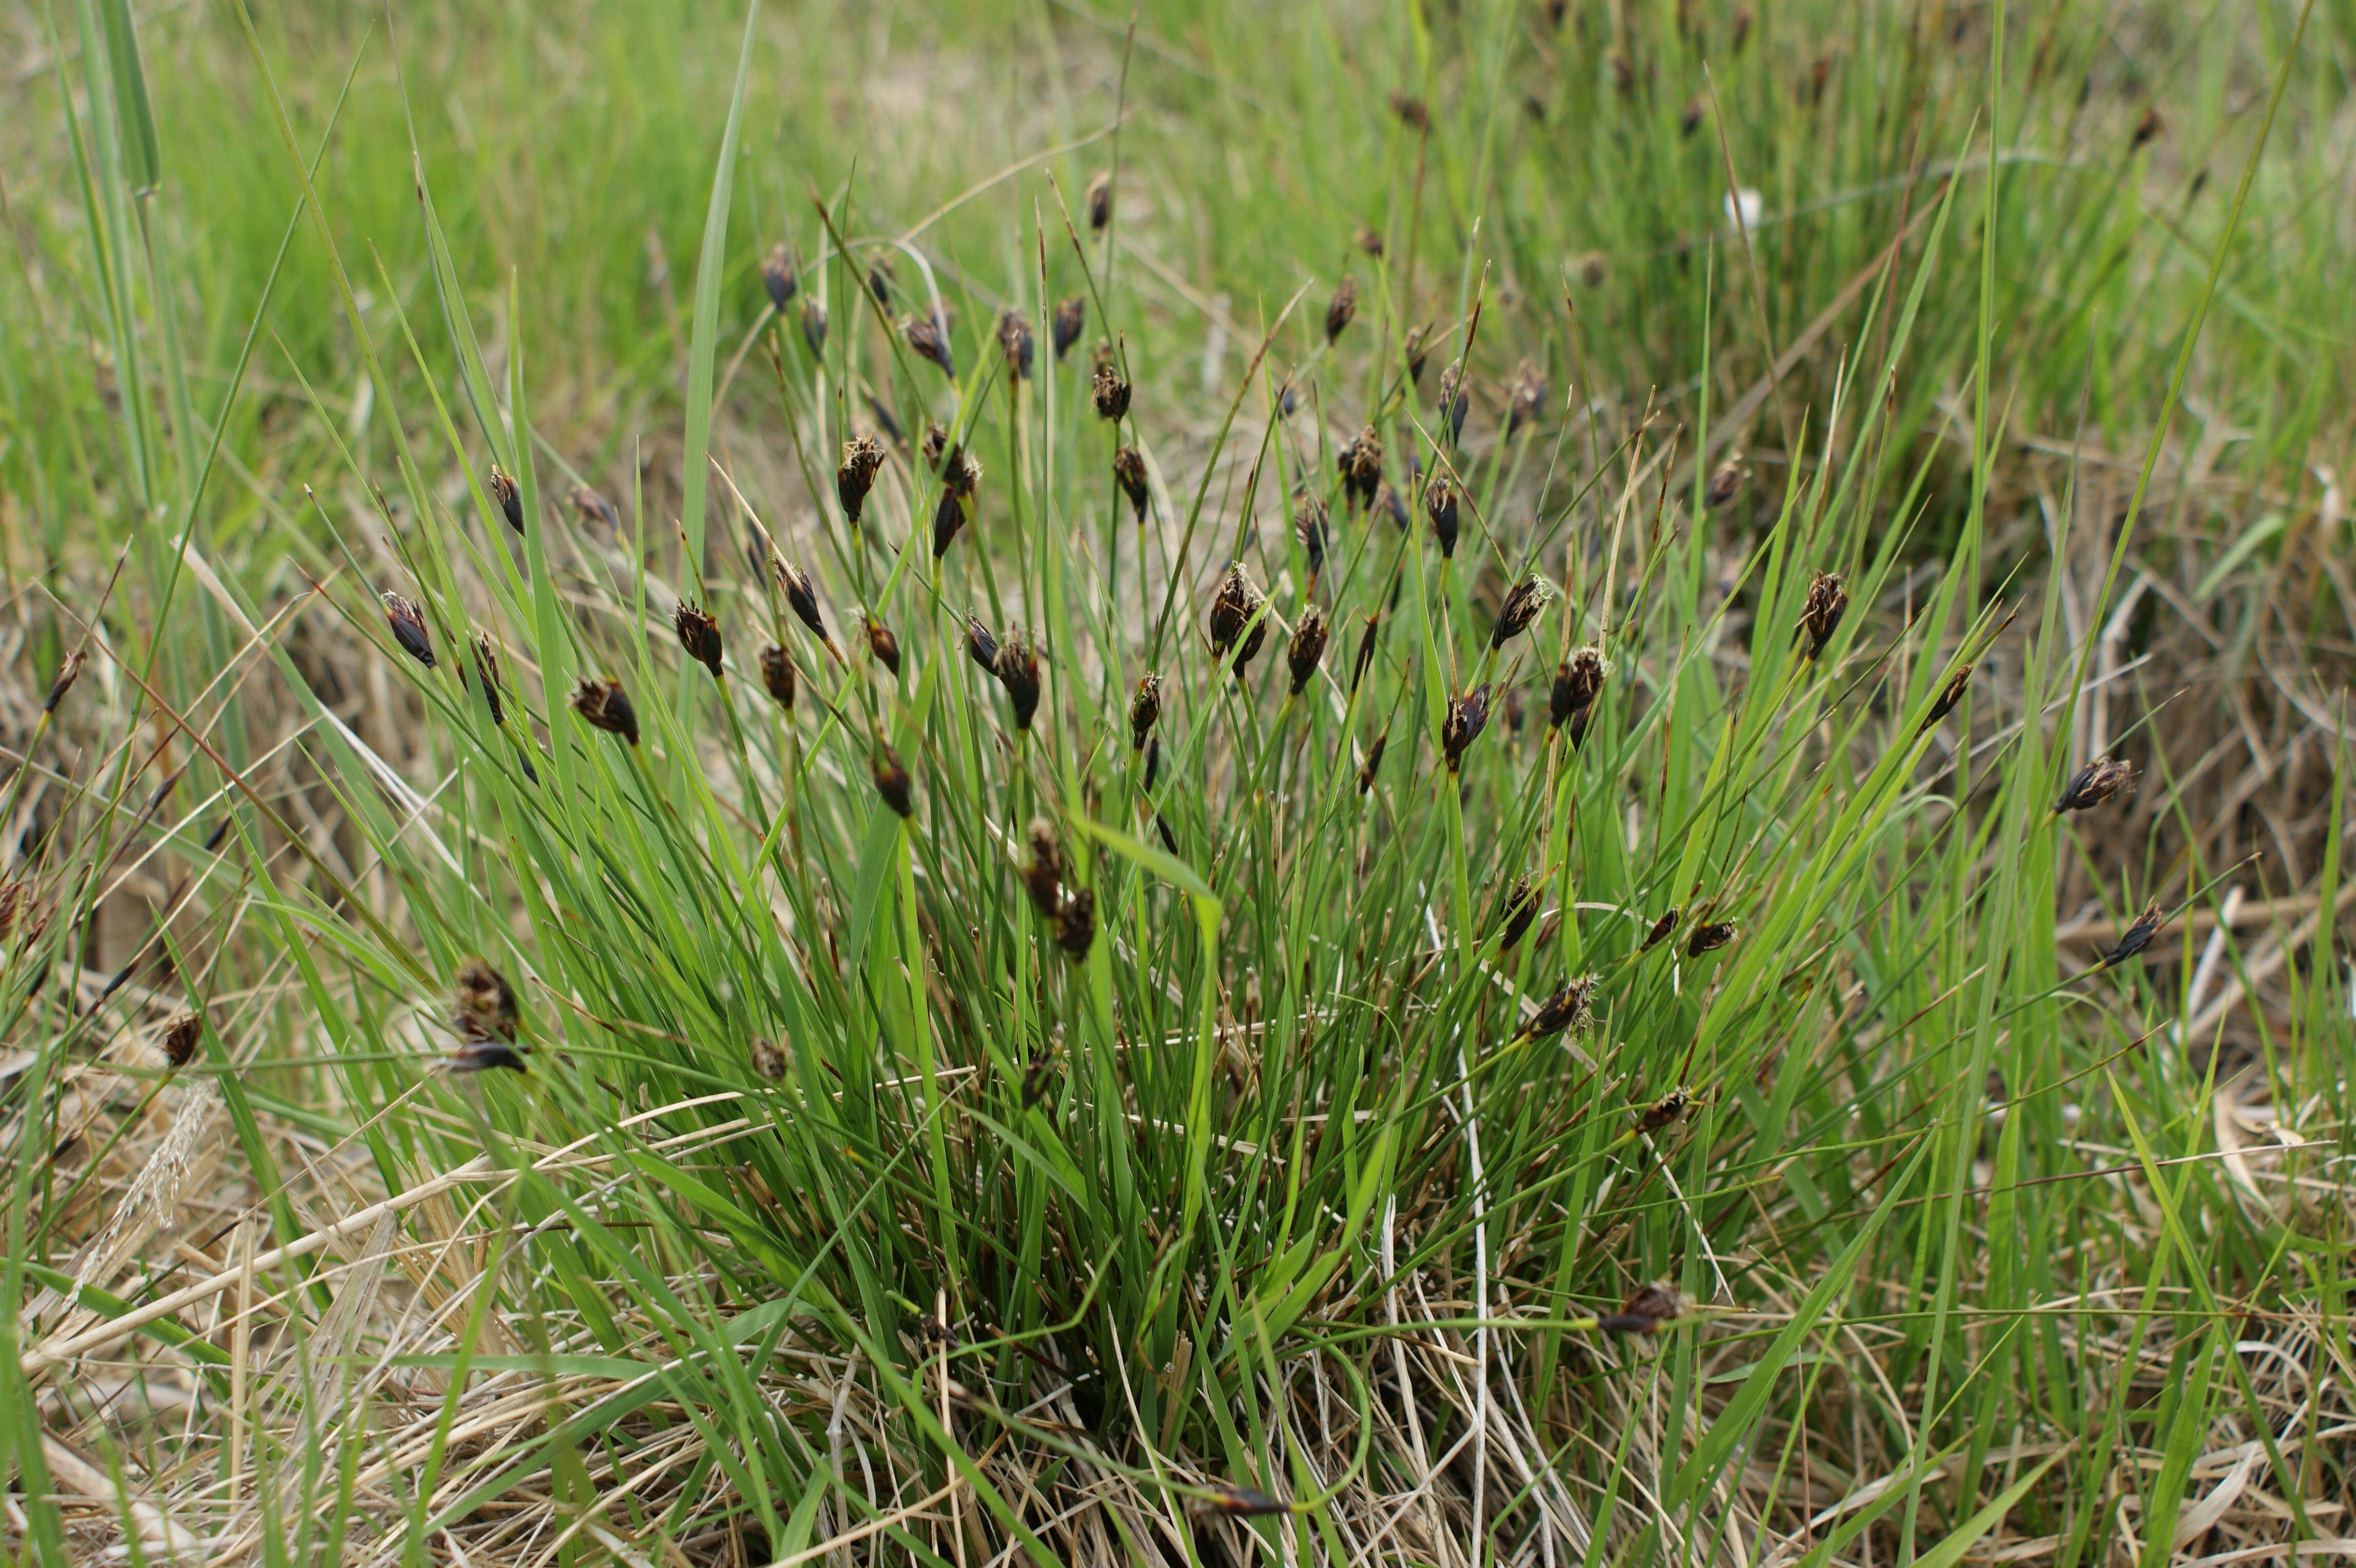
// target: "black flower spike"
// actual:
[[1374, 763], [1725, 482], [927, 337], [1038, 1077], [1821, 615], [1307, 647], [1017, 669], [1043, 873], [1647, 1311], [1076, 925], [1128, 473], [1523, 602], [1529, 404], [182, 1037], [769, 1061], [1666, 1111], [1064, 327], [510, 499], [1231, 609], [1577, 682], [1440, 505], [1468, 715], [404, 616], [1660, 931], [483, 1004], [803, 598], [1412, 111], [2096, 783], [981, 643], [1566, 1010], [699, 633], [891, 780], [1342, 310], [1368, 642], [1362, 467], [1309, 526], [863, 459], [778, 674], [949, 518], [936, 444], [777, 274], [1710, 938], [603, 705], [1521, 908], [883, 645], [1100, 201], [487, 665], [881, 281], [1014, 342], [1455, 401], [1152, 762], [1417, 350], [2135, 938], [814, 326], [1111, 394], [592, 508], [482, 1055], [1144, 709], [1949, 695]]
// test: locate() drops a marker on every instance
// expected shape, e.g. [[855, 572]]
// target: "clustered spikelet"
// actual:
[[2096, 783], [1648, 1310], [1064, 327], [927, 337], [1416, 349], [1342, 310], [981, 643], [814, 325], [1100, 201], [1144, 709], [1369, 239], [882, 280], [1660, 931], [1235, 614], [2135, 938], [862, 460], [1243, 1502], [1368, 641], [1666, 1111], [593, 509], [1307, 647], [1076, 923], [1014, 342], [1577, 682], [407, 620], [768, 1057], [881, 646], [70, 670], [1411, 112], [1455, 401], [1522, 604], [960, 476], [1521, 908], [778, 674], [1709, 937], [484, 1018], [2147, 128], [13, 904], [487, 665], [1374, 763], [1820, 616], [1388, 504], [891, 780], [1362, 467], [1042, 872], [698, 634], [1949, 696], [1529, 401], [1128, 473], [1439, 506], [1568, 1011], [510, 499], [1111, 394], [1016, 665], [1725, 480], [802, 597], [1468, 715], [1309, 526], [182, 1035], [777, 274], [603, 705]]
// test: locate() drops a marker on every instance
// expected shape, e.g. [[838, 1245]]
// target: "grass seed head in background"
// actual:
[[769, 1059], [883, 279], [1111, 394], [1042, 872], [927, 337], [1076, 923], [1415, 348], [1065, 327], [1342, 309], [1527, 399], [2135, 938], [1521, 908], [778, 275], [1821, 615], [603, 705], [1725, 481], [1468, 715], [594, 510], [1309, 518], [1373, 765], [1709, 937], [778, 674], [1099, 200], [2096, 782], [182, 1035], [1648, 1310], [1017, 669], [862, 460], [510, 499], [814, 325], [698, 634], [1666, 1111], [1014, 342], [483, 1004], [408, 623], [891, 779], [487, 668], [1577, 682], [881, 646], [1369, 640], [1128, 473], [1361, 463], [1455, 403]]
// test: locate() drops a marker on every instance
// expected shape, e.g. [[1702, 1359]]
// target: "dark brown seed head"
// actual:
[[981, 643], [482, 1056], [1710, 938], [72, 668], [1577, 682], [403, 615], [1521, 908], [1017, 669], [1738, 27], [778, 674], [1821, 615], [1144, 709], [13, 904], [1368, 642], [949, 517], [1411, 112], [1128, 473], [1949, 695], [699, 633], [1440, 505], [802, 597], [181, 1038], [1307, 647], [1522, 604], [814, 326], [1038, 1078], [1388, 504], [1243, 1502], [863, 459], [1152, 762], [1111, 394], [1664, 1112], [1309, 526], [1529, 404], [1362, 467], [927, 337], [882, 644], [1593, 269], [1254, 638], [768, 1060], [1076, 923], [2136, 937], [1468, 715], [510, 499], [1231, 609], [1043, 873], [1624, 70], [1689, 120], [1416, 351], [882, 280], [592, 508], [1648, 1310], [936, 444], [1064, 327], [487, 665], [1567, 1010], [1369, 239], [1660, 931], [1099, 200], [1455, 401], [483, 1004], [1342, 309], [1374, 763], [603, 705], [1725, 480], [962, 472], [891, 780], [2149, 128], [1014, 342], [777, 274], [2096, 783]]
